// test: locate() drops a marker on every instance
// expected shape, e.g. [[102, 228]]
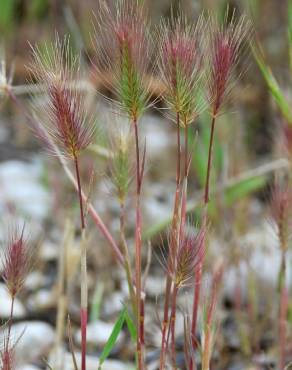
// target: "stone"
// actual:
[[5, 299], [34, 340], [21, 187], [91, 362], [98, 333]]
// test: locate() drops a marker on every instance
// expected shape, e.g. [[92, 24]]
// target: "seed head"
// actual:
[[121, 166], [6, 357], [188, 257], [226, 44], [122, 52], [67, 122], [16, 262], [180, 65], [281, 209]]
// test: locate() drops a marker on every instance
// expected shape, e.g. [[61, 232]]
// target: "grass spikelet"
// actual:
[[16, 261], [180, 65], [122, 52], [189, 256], [227, 43], [121, 166], [64, 115]]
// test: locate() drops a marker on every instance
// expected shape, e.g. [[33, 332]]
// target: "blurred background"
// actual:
[[34, 188]]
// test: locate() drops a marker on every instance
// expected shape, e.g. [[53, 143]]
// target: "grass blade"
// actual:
[[113, 338], [273, 86]]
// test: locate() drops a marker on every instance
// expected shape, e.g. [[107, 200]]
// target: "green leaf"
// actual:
[[274, 88], [131, 326], [113, 338], [243, 189]]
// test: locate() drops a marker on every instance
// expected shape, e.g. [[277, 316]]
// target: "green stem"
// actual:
[[207, 185]]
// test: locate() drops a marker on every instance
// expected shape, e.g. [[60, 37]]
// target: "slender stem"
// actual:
[[186, 150], [84, 282], [198, 272], [207, 185], [172, 251], [172, 325], [10, 322], [283, 308], [127, 263], [82, 219], [178, 160], [84, 300], [138, 247]]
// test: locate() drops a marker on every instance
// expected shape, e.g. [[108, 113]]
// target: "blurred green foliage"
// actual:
[[7, 8]]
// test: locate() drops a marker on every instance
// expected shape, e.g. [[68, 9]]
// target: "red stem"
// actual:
[[83, 310], [138, 248], [198, 272], [283, 310], [82, 219], [172, 328], [83, 316], [10, 322], [173, 242]]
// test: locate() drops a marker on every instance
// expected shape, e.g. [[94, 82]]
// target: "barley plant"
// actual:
[[86, 101]]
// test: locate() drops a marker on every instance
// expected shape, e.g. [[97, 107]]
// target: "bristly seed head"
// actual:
[[180, 65], [16, 262], [188, 258], [225, 46], [122, 52], [121, 166], [281, 209], [58, 70]]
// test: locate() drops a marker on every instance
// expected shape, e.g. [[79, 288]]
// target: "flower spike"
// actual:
[[123, 53], [16, 262], [68, 124], [180, 66], [226, 44]]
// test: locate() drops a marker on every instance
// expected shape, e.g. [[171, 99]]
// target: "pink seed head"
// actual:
[[226, 44], [180, 65], [189, 256], [65, 116], [16, 262]]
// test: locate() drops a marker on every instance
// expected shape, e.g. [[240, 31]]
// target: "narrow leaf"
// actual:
[[113, 338], [131, 326], [243, 189], [274, 87]]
